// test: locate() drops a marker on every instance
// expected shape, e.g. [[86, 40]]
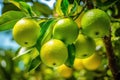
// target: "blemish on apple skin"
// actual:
[[54, 64], [84, 55], [96, 33], [25, 42]]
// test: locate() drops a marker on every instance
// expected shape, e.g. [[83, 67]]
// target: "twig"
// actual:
[[113, 64]]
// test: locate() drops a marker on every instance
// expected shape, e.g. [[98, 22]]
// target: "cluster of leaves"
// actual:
[[22, 9]]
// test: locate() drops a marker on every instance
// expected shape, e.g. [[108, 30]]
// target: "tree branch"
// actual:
[[113, 64]]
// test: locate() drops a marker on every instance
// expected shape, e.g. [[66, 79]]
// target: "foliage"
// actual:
[[27, 67]]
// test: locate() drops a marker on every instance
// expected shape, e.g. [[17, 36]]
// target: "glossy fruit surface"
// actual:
[[66, 30], [92, 62], [78, 64], [64, 71], [26, 32], [95, 23], [85, 46], [54, 53]]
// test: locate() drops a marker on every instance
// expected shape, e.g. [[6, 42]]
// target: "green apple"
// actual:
[[85, 46], [66, 30], [95, 23], [54, 53], [26, 32]]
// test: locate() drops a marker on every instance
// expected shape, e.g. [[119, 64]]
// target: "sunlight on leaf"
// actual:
[[8, 19], [64, 6], [41, 8], [71, 55], [15, 3]]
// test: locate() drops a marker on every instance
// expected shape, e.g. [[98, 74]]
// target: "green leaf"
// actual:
[[41, 8], [9, 7], [16, 2], [64, 7], [45, 26], [48, 33], [74, 8], [71, 55], [106, 4], [26, 8], [35, 63], [29, 57], [43, 30], [22, 52], [8, 19]]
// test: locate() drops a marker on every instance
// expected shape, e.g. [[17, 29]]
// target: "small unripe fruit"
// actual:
[[66, 30], [64, 71], [26, 32], [92, 62], [95, 23], [85, 46], [54, 53]]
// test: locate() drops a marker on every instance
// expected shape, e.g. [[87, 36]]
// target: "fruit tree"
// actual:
[[74, 40]]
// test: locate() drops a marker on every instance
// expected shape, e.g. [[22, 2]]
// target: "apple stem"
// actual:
[[112, 60]]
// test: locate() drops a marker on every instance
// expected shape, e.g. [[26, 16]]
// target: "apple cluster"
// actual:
[[94, 24]]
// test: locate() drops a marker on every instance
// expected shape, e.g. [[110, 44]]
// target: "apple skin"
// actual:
[[54, 53], [26, 32], [92, 62], [66, 30], [95, 23], [85, 46]]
